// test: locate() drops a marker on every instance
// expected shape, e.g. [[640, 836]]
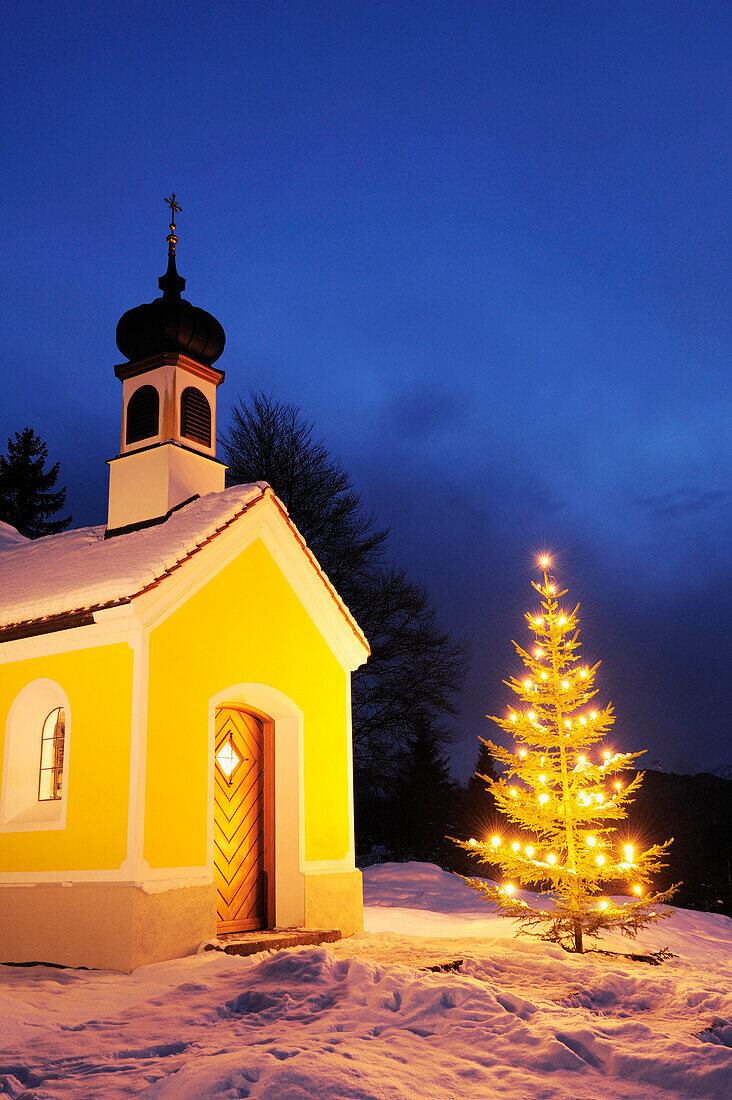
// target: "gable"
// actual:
[[268, 523]]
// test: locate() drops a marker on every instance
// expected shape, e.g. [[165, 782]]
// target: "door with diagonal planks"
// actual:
[[239, 821]]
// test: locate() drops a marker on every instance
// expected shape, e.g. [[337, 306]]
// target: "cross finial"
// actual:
[[174, 209]]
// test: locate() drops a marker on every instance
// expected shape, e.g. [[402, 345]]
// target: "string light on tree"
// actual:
[[567, 801]]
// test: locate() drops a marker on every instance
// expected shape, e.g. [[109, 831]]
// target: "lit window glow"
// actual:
[[227, 759]]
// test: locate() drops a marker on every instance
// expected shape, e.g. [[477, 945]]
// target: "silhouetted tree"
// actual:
[[425, 798], [26, 497], [269, 440], [479, 805], [477, 815], [415, 664]]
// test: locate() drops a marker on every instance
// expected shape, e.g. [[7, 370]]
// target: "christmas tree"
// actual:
[[564, 796], [26, 497]]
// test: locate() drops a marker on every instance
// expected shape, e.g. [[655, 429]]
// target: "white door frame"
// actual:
[[283, 722]]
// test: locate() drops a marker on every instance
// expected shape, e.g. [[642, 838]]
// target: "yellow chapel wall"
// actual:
[[245, 625], [98, 685]]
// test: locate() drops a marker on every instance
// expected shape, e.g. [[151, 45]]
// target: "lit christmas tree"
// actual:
[[564, 804]]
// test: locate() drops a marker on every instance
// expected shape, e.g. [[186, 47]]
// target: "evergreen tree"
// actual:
[[415, 665], [26, 497], [477, 814], [564, 804], [424, 799], [479, 800]]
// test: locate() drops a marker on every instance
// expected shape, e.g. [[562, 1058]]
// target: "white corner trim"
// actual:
[[138, 754]]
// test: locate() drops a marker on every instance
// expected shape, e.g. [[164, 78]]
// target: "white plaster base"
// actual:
[[334, 899], [105, 926]]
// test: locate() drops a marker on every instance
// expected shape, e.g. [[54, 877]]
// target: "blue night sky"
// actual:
[[483, 245]]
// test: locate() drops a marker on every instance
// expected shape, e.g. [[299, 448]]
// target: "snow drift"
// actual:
[[363, 1020]]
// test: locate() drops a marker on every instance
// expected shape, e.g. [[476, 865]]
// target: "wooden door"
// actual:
[[239, 821]]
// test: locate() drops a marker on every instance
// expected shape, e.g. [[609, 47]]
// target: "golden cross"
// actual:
[[174, 207]]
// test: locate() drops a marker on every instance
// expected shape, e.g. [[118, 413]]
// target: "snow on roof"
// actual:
[[80, 570]]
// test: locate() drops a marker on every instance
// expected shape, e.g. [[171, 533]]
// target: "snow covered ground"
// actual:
[[361, 1019]]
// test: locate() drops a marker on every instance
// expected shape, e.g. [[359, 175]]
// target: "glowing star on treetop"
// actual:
[[565, 804]]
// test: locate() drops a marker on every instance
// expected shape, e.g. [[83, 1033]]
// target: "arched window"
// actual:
[[195, 416], [143, 410], [51, 772], [36, 759]]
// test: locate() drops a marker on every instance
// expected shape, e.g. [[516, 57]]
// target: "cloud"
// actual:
[[420, 412], [686, 500]]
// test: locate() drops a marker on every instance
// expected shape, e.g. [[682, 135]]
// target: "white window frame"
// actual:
[[20, 808]]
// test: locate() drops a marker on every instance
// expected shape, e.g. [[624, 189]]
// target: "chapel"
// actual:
[[175, 710]]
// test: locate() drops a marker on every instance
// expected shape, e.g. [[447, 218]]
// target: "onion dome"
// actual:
[[170, 323]]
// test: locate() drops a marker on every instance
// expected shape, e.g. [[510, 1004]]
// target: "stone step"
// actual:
[[249, 943]]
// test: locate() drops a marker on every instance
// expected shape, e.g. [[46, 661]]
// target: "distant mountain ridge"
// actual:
[[683, 766]]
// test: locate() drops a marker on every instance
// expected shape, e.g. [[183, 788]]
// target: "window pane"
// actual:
[[46, 790], [50, 773], [47, 754], [50, 724]]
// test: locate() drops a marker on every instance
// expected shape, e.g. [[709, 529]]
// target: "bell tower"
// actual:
[[168, 451]]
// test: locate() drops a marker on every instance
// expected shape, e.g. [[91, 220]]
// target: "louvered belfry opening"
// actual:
[[195, 416], [143, 413]]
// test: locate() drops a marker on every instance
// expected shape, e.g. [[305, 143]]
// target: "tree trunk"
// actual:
[[578, 937]]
